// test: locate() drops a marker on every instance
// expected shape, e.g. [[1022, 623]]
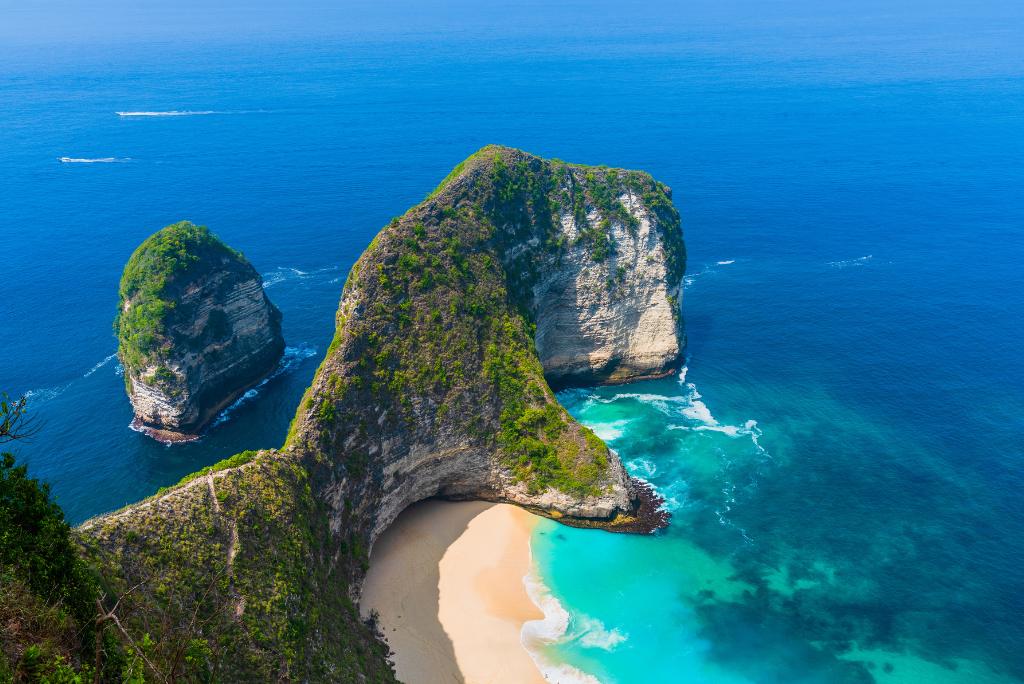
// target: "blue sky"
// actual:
[[117, 21]]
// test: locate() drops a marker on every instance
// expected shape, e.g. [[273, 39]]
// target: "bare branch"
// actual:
[[15, 423]]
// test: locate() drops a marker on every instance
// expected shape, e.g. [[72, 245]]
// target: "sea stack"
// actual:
[[195, 330]]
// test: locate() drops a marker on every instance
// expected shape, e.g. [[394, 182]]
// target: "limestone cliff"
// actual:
[[435, 385], [516, 267], [195, 330]]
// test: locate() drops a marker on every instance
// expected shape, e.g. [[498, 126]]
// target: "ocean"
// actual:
[[842, 456]]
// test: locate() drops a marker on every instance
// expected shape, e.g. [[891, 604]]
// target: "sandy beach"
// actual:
[[446, 581]]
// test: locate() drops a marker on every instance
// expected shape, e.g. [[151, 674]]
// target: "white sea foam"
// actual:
[[99, 365], [552, 628], [611, 430], [93, 160], [291, 358], [859, 261], [698, 410], [42, 394], [660, 402], [673, 497], [641, 467], [691, 278], [287, 273], [594, 634]]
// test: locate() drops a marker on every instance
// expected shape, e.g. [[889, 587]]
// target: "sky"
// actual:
[[111, 21]]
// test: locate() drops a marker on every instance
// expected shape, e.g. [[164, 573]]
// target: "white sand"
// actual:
[[447, 583]]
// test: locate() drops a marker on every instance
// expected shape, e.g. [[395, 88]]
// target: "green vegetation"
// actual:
[[234, 585], [47, 592], [445, 336], [146, 297], [238, 459]]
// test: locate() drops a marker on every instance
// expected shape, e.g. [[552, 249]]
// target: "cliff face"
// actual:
[[195, 328], [615, 319], [514, 269]]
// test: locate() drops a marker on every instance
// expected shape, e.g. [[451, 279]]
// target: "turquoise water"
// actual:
[[758, 579], [850, 180], [825, 528]]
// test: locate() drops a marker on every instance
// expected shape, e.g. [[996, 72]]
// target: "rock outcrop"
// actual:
[[615, 319], [514, 270], [195, 330]]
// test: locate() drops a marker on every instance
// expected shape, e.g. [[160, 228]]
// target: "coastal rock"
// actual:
[[195, 330], [514, 271], [614, 320], [517, 273]]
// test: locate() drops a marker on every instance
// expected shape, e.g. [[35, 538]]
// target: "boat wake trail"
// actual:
[[172, 112], [94, 160]]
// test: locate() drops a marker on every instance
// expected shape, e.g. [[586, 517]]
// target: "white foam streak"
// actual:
[[172, 112], [859, 261], [287, 273], [596, 635], [99, 365], [610, 431], [641, 467], [93, 160], [46, 393], [292, 357]]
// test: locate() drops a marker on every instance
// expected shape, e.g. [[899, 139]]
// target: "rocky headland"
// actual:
[[515, 273], [195, 330]]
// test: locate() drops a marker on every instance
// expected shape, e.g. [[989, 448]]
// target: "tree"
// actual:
[[46, 590], [15, 423]]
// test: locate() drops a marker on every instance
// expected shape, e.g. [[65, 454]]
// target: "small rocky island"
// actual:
[[515, 273], [195, 330]]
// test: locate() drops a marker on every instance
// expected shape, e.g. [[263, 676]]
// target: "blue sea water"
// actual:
[[843, 457]]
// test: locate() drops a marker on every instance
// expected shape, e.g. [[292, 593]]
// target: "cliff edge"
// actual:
[[515, 271], [195, 330]]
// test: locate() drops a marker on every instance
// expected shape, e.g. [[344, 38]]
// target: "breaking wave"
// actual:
[[610, 431], [558, 626]]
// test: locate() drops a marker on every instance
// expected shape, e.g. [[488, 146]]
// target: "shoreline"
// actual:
[[448, 584]]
